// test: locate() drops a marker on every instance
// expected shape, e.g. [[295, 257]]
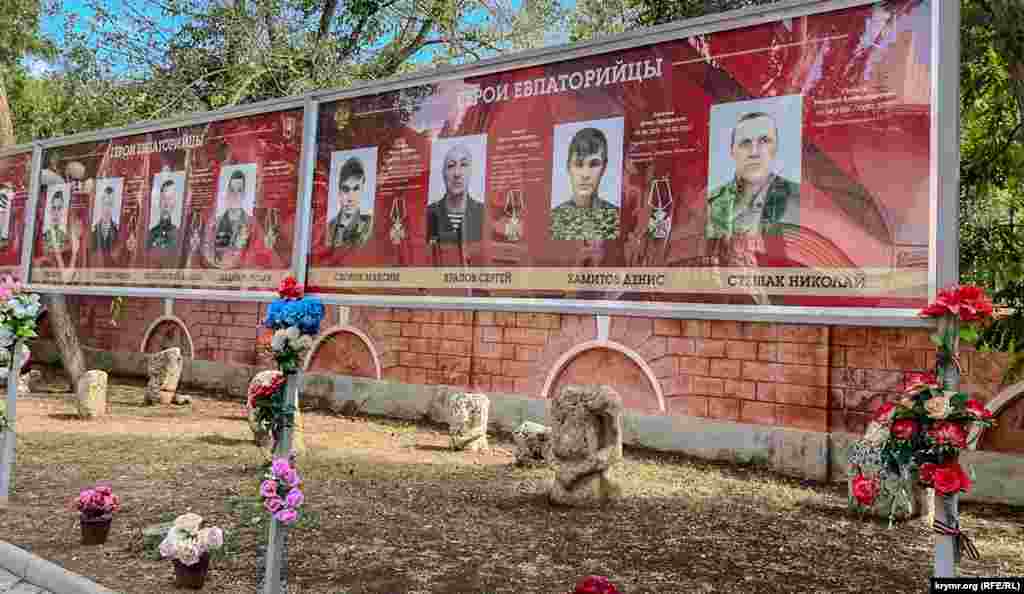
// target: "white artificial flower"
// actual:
[[938, 407], [279, 340], [187, 552], [876, 434], [293, 332], [306, 342], [6, 337], [189, 522], [211, 538]]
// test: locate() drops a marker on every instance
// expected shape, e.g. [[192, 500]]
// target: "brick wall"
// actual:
[[815, 378]]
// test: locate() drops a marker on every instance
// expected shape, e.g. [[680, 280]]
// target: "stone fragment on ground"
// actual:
[[467, 421], [533, 444], [586, 436], [91, 396], [164, 374]]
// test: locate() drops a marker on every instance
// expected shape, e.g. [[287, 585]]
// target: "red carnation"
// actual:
[[904, 428], [950, 478], [915, 382], [595, 584], [885, 412], [978, 409], [949, 433], [290, 288], [967, 302], [927, 472], [865, 490]]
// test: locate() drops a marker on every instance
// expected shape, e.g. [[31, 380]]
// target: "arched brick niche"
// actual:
[[345, 350], [168, 332], [605, 362], [1008, 434]]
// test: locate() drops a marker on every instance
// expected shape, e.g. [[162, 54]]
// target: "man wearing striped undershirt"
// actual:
[[457, 217]]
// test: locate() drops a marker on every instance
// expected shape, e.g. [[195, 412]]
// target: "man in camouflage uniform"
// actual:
[[350, 228], [757, 202], [164, 235], [586, 215], [55, 236]]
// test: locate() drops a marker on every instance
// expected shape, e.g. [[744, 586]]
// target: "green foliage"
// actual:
[[125, 65]]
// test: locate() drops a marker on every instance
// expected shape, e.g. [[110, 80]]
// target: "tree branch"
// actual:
[[330, 6]]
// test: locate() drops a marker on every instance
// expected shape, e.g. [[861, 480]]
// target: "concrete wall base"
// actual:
[[803, 454]]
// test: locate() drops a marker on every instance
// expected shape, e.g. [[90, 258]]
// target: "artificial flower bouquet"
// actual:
[[267, 405], [19, 316], [295, 320], [282, 492], [920, 436], [186, 542], [595, 584], [97, 502]]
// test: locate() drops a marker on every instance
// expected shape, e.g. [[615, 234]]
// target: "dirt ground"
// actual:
[[390, 510]]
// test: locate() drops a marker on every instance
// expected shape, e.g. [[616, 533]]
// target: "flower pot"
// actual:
[[191, 576], [95, 529]]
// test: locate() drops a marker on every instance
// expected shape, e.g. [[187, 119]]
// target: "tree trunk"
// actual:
[[64, 331], [7, 137], [65, 334]]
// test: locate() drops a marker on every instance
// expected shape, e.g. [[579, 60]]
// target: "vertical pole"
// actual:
[[276, 539], [944, 175], [944, 186], [7, 455], [946, 507]]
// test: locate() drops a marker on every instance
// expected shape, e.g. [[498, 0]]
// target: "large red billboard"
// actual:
[[209, 206], [784, 163], [15, 175]]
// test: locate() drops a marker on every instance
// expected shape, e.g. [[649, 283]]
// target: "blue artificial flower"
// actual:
[[274, 313], [312, 315], [292, 313]]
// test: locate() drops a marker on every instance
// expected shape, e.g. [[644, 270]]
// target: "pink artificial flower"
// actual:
[[904, 428], [294, 498], [268, 488], [865, 490], [273, 504], [279, 467], [286, 516], [949, 433], [291, 478], [977, 409]]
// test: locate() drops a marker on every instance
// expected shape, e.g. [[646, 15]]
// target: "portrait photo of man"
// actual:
[[165, 212], [587, 190], [235, 206], [104, 229], [754, 176], [6, 206], [55, 224], [351, 198], [457, 177]]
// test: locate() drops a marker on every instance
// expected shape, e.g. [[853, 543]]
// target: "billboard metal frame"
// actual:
[[943, 175]]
